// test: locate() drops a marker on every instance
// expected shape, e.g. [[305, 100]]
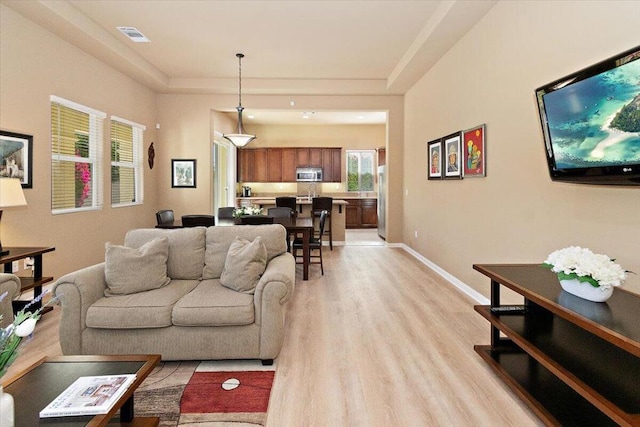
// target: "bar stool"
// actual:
[[286, 202], [319, 204]]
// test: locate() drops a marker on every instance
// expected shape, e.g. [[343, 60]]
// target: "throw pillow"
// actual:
[[131, 270], [245, 263]]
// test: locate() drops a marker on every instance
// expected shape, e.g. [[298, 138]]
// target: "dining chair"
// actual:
[[164, 216], [315, 244], [198, 220], [256, 220], [226, 212], [283, 212], [319, 204]]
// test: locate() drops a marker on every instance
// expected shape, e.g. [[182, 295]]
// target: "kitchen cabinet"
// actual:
[[382, 156], [361, 213], [309, 157], [279, 164], [332, 164], [289, 164], [252, 165], [274, 165]]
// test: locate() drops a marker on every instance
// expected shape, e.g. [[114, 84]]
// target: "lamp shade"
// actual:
[[11, 193]]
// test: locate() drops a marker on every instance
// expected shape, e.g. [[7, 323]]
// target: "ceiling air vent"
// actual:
[[133, 34]]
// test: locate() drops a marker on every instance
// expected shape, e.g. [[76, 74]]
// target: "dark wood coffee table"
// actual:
[[38, 385]]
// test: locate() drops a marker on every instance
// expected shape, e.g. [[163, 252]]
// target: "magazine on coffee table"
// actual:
[[89, 396]]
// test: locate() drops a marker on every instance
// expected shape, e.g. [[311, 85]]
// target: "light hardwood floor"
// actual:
[[379, 340]]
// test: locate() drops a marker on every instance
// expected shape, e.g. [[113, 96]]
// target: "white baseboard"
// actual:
[[468, 290]]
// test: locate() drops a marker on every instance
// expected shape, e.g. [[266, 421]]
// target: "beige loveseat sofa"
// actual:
[[193, 317]]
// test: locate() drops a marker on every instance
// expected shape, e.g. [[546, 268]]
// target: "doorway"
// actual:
[[223, 175]]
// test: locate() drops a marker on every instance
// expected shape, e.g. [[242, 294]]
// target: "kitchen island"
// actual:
[[303, 204]]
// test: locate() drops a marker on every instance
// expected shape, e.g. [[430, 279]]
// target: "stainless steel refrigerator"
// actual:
[[382, 201]]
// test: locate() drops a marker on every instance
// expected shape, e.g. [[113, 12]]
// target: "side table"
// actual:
[[37, 280]]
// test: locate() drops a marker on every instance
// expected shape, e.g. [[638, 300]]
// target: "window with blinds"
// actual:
[[126, 162], [76, 157]]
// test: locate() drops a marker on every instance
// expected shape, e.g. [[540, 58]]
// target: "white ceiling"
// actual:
[[294, 47]]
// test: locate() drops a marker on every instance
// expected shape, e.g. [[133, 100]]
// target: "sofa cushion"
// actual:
[[150, 309], [220, 238], [244, 265], [186, 249], [131, 270], [211, 304]]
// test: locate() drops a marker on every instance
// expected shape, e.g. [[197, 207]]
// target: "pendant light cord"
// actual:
[[240, 56]]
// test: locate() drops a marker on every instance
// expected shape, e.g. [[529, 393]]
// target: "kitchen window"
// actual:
[[76, 157], [126, 162], [360, 170]]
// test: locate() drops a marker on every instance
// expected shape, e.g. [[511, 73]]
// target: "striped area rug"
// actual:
[[212, 393]]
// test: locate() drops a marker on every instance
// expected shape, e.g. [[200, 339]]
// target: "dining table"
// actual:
[[296, 225]]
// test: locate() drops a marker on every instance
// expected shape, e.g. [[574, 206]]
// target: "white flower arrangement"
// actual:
[[579, 263], [23, 325], [246, 210]]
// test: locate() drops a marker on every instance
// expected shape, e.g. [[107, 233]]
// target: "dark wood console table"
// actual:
[[37, 280], [573, 361]]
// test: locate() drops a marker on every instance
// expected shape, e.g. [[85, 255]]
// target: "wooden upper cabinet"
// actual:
[[260, 165], [289, 164], [309, 157], [279, 164], [274, 165], [245, 163], [331, 164], [382, 156]]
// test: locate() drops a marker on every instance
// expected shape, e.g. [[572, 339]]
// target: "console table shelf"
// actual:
[[575, 362]]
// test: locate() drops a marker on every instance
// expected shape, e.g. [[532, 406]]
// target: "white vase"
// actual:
[[586, 290], [6, 409]]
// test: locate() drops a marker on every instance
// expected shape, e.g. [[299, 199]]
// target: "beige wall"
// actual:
[[188, 125], [516, 213], [34, 65]]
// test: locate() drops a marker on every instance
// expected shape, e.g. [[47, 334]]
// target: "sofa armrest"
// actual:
[[281, 269], [274, 289], [76, 292], [9, 283]]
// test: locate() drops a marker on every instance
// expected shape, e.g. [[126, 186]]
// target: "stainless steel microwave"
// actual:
[[309, 174]]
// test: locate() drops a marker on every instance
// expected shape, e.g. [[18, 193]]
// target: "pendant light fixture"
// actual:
[[239, 138]]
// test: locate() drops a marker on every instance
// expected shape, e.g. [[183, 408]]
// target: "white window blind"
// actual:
[[360, 170], [76, 157], [126, 162]]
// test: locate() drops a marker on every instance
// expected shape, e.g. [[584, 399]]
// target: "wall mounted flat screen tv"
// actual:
[[591, 122]]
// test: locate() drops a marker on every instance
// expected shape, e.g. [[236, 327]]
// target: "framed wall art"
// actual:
[[183, 173], [434, 154], [451, 145], [16, 157], [474, 152]]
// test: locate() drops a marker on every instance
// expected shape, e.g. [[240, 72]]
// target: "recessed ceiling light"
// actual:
[[251, 116], [133, 34], [293, 103]]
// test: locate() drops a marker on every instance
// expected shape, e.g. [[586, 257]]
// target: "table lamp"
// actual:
[[11, 195]]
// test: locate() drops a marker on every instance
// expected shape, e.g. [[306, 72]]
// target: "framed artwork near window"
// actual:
[[434, 154], [16, 157], [451, 163], [183, 173], [473, 145]]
